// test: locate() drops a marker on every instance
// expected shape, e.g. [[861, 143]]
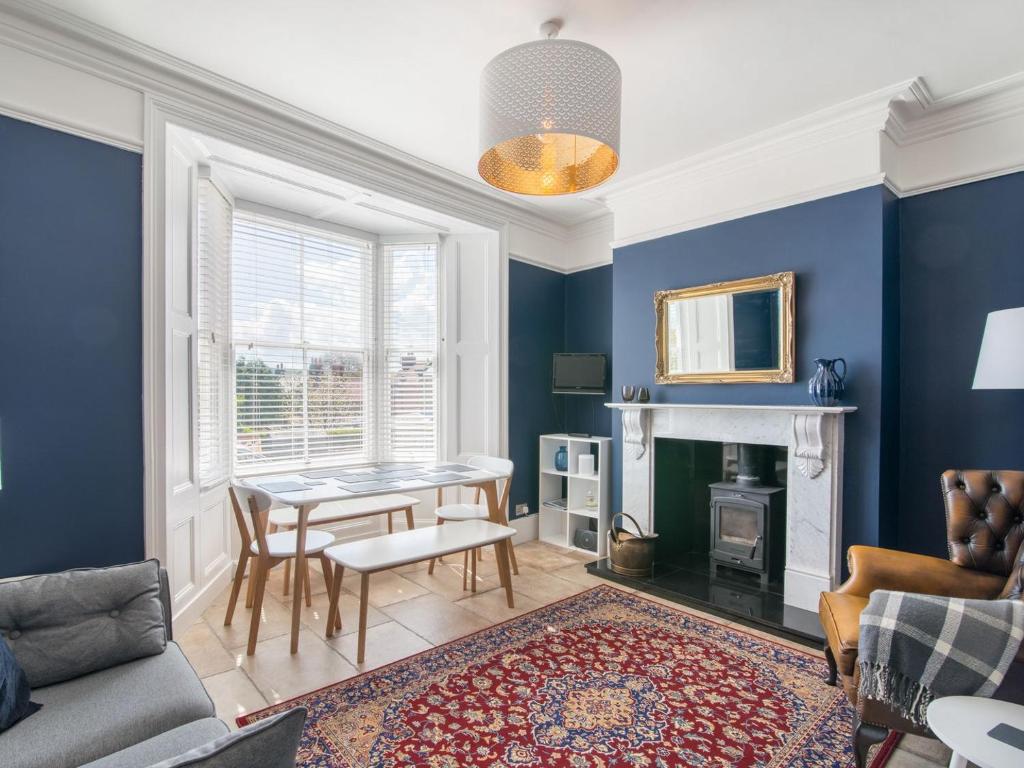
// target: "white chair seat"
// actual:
[[455, 512], [287, 517], [283, 544]]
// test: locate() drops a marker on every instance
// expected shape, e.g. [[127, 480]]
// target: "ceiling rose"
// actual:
[[549, 116]]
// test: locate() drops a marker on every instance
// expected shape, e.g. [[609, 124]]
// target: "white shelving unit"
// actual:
[[558, 526]]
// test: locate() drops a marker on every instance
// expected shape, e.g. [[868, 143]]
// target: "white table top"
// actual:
[[404, 547], [339, 484], [962, 723]]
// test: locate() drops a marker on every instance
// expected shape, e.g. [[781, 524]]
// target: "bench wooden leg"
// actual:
[[364, 596], [472, 558], [305, 586], [430, 568], [465, 569], [236, 587], [410, 522], [391, 524], [333, 610]]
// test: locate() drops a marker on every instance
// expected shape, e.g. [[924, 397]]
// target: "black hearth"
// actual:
[[720, 515]]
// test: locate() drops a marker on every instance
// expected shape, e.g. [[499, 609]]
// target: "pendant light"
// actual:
[[549, 116]]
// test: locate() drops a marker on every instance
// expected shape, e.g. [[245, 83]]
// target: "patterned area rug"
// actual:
[[601, 680]]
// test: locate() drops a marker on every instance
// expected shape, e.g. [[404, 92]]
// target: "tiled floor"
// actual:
[[410, 611]]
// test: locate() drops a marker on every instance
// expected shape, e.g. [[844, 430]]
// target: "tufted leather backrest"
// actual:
[[984, 518]]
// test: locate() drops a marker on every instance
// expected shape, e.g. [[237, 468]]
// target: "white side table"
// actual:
[[962, 723]]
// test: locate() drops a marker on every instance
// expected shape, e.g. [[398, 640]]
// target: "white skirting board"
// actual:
[[527, 528]]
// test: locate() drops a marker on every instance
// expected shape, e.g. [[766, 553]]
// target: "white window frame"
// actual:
[[374, 354]]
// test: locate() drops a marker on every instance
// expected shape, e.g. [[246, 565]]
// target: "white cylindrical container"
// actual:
[[586, 464]]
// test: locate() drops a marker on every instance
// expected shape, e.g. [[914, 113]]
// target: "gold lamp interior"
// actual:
[[548, 164]]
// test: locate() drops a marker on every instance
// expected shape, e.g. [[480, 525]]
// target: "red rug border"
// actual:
[[885, 751], [247, 718]]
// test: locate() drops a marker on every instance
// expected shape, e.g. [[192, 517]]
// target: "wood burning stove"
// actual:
[[742, 532]]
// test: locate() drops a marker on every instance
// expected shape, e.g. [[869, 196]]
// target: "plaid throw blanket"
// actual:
[[916, 648]]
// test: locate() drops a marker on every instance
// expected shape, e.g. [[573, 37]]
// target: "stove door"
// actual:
[[737, 531]]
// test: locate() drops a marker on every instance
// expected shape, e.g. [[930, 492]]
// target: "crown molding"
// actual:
[[58, 36], [901, 136]]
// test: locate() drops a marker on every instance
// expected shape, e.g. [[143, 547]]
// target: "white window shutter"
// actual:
[[213, 369]]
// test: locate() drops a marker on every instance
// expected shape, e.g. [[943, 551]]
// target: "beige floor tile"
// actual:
[[275, 585], [931, 749], [493, 607], [385, 643], [446, 580], [280, 674], [275, 620], [436, 619], [385, 588], [233, 694], [543, 587], [543, 557], [204, 651], [315, 618]]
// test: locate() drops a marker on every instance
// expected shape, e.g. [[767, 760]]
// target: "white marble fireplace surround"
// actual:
[[813, 437]]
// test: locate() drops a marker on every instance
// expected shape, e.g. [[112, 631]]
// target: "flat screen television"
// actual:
[[578, 373]]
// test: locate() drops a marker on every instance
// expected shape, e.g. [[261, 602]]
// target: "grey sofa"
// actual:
[[116, 691]]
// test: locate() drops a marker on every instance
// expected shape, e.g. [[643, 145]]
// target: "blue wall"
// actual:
[[550, 312], [536, 323], [840, 251], [962, 256], [588, 328], [70, 351]]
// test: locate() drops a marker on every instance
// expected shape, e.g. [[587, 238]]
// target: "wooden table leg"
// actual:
[[502, 547], [298, 572], [364, 596]]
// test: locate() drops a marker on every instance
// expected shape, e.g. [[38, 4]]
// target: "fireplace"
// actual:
[[742, 535]]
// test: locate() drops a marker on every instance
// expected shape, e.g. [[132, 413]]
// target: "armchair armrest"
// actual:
[[874, 568]]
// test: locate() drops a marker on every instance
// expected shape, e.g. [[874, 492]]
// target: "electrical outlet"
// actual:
[[522, 510]]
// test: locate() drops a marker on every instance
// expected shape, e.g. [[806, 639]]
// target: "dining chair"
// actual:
[[265, 551], [476, 511]]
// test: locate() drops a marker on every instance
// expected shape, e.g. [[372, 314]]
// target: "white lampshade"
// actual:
[[549, 117], [1001, 360]]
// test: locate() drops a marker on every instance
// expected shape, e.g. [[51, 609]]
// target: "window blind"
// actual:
[[303, 335], [213, 348], [409, 351]]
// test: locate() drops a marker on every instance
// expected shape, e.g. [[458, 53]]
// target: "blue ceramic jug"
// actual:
[[827, 386]]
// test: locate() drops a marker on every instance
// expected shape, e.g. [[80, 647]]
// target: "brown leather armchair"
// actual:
[[985, 531]]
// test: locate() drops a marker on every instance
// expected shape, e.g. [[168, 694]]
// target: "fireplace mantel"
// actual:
[[814, 438]]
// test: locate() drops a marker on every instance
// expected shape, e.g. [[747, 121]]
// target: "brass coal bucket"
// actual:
[[630, 554]]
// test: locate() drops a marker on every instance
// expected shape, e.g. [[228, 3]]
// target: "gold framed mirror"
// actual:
[[740, 331]]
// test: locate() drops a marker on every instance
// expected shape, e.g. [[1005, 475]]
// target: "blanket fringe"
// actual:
[[908, 697]]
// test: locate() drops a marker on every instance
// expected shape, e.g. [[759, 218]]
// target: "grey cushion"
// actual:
[[270, 743], [170, 744], [93, 716], [63, 625]]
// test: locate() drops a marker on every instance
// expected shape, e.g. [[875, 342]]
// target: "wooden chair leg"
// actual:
[[391, 524], [512, 557], [410, 521], [325, 566], [250, 588], [465, 568], [236, 587], [333, 611], [430, 568], [364, 596], [833, 671], [472, 559], [287, 577], [865, 736], [305, 585], [257, 605]]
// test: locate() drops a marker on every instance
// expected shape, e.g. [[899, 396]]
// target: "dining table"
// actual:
[[307, 489]]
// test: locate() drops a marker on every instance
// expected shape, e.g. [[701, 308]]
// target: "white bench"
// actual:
[[287, 518], [382, 553]]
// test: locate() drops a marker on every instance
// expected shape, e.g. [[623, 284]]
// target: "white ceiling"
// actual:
[[696, 73]]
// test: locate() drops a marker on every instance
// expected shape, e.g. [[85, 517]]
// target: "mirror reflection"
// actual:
[[738, 331], [724, 332]]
